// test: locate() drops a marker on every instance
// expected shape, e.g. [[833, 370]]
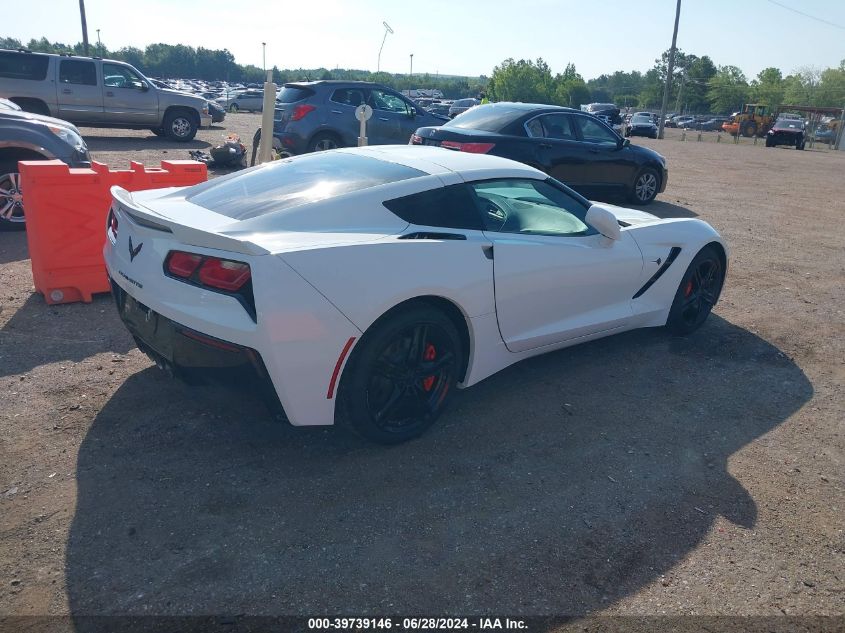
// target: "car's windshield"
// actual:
[[292, 182]]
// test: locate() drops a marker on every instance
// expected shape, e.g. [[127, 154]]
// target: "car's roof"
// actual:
[[439, 161], [333, 82]]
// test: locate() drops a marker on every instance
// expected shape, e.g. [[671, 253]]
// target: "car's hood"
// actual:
[[642, 122], [29, 116], [628, 216]]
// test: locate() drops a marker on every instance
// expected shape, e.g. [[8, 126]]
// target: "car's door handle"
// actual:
[[336, 112], [109, 93], [67, 91], [383, 118], [546, 145], [593, 150]]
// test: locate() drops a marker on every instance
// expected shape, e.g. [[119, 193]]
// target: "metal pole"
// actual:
[[840, 133], [264, 56], [411, 74], [84, 27], [387, 30], [265, 148], [670, 69]]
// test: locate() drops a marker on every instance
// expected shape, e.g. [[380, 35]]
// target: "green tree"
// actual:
[[727, 90], [522, 80], [831, 90], [768, 87]]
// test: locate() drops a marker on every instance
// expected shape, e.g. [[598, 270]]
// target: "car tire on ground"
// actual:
[[181, 125], [749, 129], [158, 131], [645, 188], [324, 141], [799, 144], [233, 107], [698, 292], [400, 375], [11, 203]]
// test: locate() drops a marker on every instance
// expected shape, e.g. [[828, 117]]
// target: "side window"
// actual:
[[531, 207], [117, 76], [348, 96], [23, 66], [387, 102], [558, 126], [448, 207], [74, 71], [595, 132]]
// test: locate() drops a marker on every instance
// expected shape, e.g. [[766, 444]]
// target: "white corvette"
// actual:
[[362, 285]]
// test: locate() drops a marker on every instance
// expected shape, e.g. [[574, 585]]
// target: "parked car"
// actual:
[[714, 123], [641, 124], [678, 120], [571, 145], [461, 105], [218, 114], [441, 109], [348, 275], [786, 131], [824, 135], [98, 93], [27, 136], [247, 100], [320, 115]]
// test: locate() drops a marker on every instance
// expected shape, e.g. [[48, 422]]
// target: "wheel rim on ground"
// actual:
[[233, 108], [11, 198], [701, 290], [646, 186], [324, 144], [181, 126], [410, 378]]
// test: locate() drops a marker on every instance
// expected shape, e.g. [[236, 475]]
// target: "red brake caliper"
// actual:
[[688, 289], [430, 355]]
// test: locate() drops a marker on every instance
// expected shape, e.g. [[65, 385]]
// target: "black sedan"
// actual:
[[786, 132], [570, 145], [641, 125]]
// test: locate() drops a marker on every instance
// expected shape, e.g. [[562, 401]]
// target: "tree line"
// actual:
[[698, 85]]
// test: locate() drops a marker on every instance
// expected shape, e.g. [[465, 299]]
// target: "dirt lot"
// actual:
[[641, 474]]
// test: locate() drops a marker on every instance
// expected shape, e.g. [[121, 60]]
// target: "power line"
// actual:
[[807, 15]]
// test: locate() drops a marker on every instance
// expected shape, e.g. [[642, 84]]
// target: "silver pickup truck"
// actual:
[[98, 93]]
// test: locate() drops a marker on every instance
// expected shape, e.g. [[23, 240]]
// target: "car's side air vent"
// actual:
[[428, 235], [673, 255]]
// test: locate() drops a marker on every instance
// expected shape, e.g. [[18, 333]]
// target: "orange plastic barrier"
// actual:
[[66, 212]]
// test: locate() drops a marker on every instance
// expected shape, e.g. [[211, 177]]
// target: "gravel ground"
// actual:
[[640, 475]]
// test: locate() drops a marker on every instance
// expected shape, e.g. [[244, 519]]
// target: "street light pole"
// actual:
[[84, 27], [669, 70], [99, 42], [387, 30], [264, 56], [411, 74]]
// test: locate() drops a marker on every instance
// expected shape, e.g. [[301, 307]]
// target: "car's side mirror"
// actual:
[[604, 222], [143, 86], [623, 142]]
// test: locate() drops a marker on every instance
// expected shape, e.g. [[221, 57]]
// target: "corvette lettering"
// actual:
[[137, 284]]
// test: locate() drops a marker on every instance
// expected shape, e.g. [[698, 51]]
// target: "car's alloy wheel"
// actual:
[[180, 126], [698, 292], [400, 376], [233, 107], [325, 143], [645, 187], [11, 199]]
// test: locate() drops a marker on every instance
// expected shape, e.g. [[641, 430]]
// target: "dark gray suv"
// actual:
[[26, 136], [319, 115]]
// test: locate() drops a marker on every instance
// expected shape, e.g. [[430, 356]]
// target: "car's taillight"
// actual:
[[300, 111], [472, 148], [416, 139], [182, 264], [224, 274], [112, 223], [211, 272]]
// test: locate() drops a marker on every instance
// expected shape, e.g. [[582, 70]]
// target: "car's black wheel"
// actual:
[[324, 141], [158, 131], [698, 293], [645, 187], [799, 144], [11, 198], [233, 107], [181, 125], [400, 376], [769, 143]]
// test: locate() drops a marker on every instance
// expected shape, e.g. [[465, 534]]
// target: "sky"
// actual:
[[457, 37]]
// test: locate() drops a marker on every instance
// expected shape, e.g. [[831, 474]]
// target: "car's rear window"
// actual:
[[292, 94], [491, 118], [23, 66], [292, 182]]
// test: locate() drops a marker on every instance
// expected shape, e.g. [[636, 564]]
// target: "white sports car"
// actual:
[[362, 285]]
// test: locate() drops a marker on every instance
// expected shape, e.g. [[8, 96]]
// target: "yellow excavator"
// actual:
[[754, 119]]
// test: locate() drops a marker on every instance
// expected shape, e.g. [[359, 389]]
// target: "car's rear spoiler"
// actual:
[[191, 236]]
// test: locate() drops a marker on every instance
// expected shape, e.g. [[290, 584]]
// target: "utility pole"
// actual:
[[681, 91], [411, 74], [84, 27], [264, 56], [669, 70]]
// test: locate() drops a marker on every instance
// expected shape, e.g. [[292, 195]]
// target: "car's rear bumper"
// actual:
[[187, 353]]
